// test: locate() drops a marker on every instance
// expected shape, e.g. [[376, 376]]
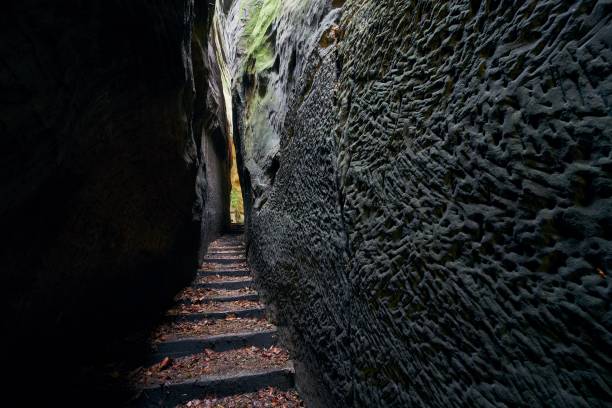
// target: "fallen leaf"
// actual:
[[166, 362]]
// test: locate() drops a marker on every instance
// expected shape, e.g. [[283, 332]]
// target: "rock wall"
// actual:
[[428, 194], [113, 144], [214, 124]]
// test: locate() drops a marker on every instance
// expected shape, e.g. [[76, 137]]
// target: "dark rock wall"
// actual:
[[302, 217], [437, 232], [110, 147], [213, 123], [487, 138]]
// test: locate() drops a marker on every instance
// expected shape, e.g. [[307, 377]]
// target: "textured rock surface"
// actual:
[[213, 123], [437, 228], [111, 151], [264, 73]]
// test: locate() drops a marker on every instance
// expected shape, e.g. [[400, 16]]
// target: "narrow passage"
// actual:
[[216, 348]]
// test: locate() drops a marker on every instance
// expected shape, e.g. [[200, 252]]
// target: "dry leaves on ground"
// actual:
[[221, 278], [185, 309], [212, 327], [209, 362], [266, 398], [198, 295], [236, 264]]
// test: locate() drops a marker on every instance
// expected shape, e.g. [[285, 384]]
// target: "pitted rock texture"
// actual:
[[440, 216], [303, 219], [268, 44], [103, 109]]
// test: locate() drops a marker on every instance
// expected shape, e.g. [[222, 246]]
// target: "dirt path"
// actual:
[[217, 348]]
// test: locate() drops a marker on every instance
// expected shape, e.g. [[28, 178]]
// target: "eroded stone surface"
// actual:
[[436, 232]]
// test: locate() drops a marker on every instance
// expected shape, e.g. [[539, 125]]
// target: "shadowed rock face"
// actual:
[[113, 142], [211, 121], [437, 230]]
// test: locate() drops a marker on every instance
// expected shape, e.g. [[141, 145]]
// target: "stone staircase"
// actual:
[[217, 347]]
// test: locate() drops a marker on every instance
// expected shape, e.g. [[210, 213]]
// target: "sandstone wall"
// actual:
[[111, 146], [213, 124], [436, 231]]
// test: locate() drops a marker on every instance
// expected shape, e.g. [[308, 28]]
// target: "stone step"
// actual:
[[188, 346], [225, 272], [226, 246], [254, 312], [224, 260], [226, 285], [170, 395], [237, 298], [233, 255]]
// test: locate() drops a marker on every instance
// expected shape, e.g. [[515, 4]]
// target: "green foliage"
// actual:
[[236, 199], [260, 16], [236, 206]]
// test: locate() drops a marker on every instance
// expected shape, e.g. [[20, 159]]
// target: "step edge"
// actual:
[[225, 284], [221, 336], [214, 315], [221, 299], [188, 346], [207, 380], [225, 272]]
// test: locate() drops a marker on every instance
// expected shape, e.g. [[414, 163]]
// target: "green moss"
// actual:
[[260, 16]]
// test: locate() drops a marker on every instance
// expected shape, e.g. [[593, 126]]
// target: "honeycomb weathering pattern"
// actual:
[[439, 229]]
